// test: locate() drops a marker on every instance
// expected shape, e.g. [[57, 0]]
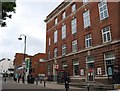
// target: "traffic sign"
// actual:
[[56, 66]]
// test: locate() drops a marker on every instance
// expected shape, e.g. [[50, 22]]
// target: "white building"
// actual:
[[6, 64]]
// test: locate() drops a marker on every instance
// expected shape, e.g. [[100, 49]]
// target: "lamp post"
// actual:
[[23, 63]]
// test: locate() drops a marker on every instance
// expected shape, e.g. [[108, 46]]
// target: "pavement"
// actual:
[[50, 86]]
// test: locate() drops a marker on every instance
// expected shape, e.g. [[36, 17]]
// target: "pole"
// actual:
[[88, 86], [24, 47]]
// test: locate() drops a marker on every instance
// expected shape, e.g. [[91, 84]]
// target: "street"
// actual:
[[11, 86]]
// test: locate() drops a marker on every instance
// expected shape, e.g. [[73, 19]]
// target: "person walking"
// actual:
[[40, 79], [36, 78], [23, 79], [44, 81], [66, 78]]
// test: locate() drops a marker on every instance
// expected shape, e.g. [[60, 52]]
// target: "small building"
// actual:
[[6, 66], [38, 64], [34, 65]]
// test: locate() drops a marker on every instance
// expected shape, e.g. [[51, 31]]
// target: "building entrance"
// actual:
[[90, 69]]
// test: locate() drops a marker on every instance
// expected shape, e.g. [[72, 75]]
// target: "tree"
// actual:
[[7, 8]]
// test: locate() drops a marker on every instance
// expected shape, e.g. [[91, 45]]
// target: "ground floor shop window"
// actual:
[[109, 62], [64, 65], [109, 65], [75, 68]]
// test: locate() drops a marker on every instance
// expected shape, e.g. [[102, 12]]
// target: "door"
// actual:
[[110, 73]]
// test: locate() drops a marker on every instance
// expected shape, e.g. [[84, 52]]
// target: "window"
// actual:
[[64, 65], [106, 34], [63, 49], [85, 1], [109, 62], [73, 7], [56, 20], [75, 67], [63, 31], [55, 36], [103, 10], [74, 46], [88, 40], [55, 52], [49, 41], [86, 18], [73, 24], [63, 15]]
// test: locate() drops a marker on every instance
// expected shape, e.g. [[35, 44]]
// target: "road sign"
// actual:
[[56, 66]]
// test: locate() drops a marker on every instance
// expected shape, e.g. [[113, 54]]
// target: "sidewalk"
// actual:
[[53, 85]]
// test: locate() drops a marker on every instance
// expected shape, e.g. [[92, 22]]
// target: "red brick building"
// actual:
[[36, 64], [84, 38], [18, 61]]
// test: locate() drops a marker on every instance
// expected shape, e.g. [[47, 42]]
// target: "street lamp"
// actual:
[[20, 38]]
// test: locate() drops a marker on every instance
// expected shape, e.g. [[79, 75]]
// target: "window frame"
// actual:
[[63, 31], [73, 7], [76, 63], [64, 15], [85, 1], [56, 20], [105, 34], [74, 46], [55, 36], [74, 25], [64, 49], [88, 40], [55, 52], [102, 7], [86, 18]]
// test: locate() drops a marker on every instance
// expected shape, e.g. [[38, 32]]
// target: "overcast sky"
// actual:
[[29, 20]]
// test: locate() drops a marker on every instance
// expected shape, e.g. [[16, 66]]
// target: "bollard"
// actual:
[[88, 87], [44, 83]]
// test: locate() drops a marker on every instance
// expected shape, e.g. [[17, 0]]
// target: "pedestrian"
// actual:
[[40, 79], [23, 79], [18, 77], [36, 78], [44, 81], [14, 78], [66, 78]]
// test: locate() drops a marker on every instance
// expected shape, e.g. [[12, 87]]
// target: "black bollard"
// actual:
[[44, 82], [88, 87]]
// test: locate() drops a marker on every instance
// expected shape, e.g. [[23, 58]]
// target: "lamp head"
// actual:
[[19, 38]]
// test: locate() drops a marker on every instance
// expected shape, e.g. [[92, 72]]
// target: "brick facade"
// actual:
[[37, 67], [98, 49]]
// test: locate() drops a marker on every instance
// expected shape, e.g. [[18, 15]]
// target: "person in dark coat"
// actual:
[[23, 79], [66, 78]]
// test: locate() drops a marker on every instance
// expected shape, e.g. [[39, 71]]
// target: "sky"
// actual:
[[28, 20]]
